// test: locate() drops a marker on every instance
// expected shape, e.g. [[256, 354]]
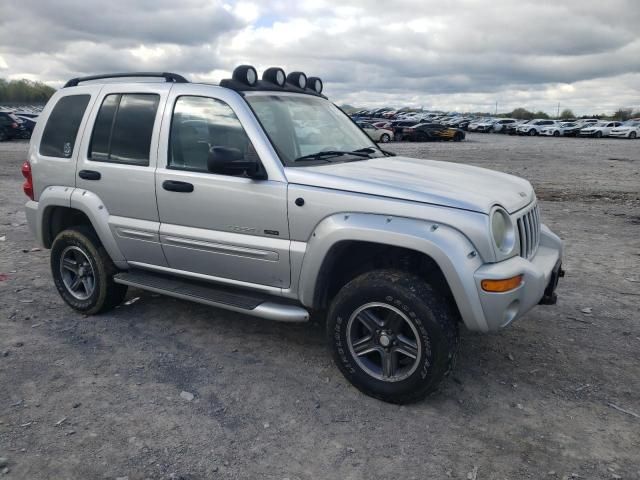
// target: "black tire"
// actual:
[[457, 137], [3, 136], [556, 133], [633, 135], [105, 294], [598, 134], [434, 319], [384, 138], [533, 132]]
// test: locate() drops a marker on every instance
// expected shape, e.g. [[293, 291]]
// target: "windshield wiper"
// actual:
[[333, 153]]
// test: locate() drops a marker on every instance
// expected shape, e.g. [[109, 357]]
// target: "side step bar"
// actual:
[[229, 298]]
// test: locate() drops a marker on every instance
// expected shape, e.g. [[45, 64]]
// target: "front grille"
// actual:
[[529, 231]]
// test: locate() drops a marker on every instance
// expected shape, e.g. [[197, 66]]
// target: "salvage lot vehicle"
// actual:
[[630, 129], [533, 127], [566, 129], [11, 127], [599, 130], [130, 184], [426, 132], [377, 134]]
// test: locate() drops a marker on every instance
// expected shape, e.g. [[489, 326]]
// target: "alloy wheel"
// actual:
[[383, 342], [77, 273]]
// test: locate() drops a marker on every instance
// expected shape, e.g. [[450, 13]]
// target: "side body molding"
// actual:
[[449, 248]]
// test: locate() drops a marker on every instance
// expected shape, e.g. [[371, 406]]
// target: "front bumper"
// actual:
[[540, 276]]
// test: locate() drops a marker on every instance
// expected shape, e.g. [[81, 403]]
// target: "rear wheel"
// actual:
[[457, 137], [556, 133], [598, 134], [3, 136], [384, 138], [533, 132], [633, 135], [392, 335], [83, 272]]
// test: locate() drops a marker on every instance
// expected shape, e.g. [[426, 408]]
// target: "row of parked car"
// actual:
[[590, 127], [387, 124], [17, 123]]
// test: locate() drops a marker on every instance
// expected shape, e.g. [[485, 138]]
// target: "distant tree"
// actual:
[[567, 113], [522, 114], [541, 114], [623, 114], [24, 91], [635, 114]]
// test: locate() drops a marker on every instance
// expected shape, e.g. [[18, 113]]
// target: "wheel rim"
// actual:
[[77, 273], [383, 342], [385, 138]]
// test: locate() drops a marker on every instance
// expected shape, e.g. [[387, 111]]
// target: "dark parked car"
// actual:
[[11, 127], [29, 123], [431, 132], [397, 127]]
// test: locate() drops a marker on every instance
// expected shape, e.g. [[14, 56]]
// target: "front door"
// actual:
[[229, 227]]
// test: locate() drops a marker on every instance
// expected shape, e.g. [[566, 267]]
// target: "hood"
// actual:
[[427, 181]]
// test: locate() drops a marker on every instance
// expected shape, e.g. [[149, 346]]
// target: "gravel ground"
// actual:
[[556, 395]]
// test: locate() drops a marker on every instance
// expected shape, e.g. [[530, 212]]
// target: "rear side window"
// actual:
[[123, 128], [59, 136]]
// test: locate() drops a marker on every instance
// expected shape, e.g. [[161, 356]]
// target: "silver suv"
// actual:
[[262, 197]]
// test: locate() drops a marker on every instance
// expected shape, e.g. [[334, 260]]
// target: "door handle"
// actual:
[[176, 186], [89, 175]]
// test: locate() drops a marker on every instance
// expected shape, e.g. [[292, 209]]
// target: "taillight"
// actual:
[[27, 186], [14, 125]]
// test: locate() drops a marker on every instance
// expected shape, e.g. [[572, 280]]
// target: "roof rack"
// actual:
[[168, 76]]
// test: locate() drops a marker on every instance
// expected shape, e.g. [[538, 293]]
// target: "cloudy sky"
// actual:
[[453, 55]]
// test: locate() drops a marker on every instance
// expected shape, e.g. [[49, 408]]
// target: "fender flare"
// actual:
[[86, 202], [449, 248]]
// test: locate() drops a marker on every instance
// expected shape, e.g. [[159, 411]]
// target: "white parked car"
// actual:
[[599, 130], [499, 126], [564, 129], [630, 129], [376, 134], [534, 127], [473, 126]]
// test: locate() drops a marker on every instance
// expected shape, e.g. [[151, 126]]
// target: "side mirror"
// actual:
[[230, 161]]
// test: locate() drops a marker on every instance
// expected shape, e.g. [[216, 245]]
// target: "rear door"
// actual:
[[117, 162]]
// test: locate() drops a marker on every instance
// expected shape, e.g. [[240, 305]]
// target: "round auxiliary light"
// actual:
[[274, 75], [297, 79], [245, 74], [315, 84]]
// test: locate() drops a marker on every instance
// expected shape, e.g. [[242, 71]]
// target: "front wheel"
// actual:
[[533, 132], [392, 335], [598, 134], [83, 272], [384, 138], [556, 133], [632, 135]]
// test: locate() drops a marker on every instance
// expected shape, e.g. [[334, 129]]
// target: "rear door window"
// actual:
[[123, 128], [61, 130]]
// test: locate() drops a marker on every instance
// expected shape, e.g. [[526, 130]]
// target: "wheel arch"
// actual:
[[343, 246]]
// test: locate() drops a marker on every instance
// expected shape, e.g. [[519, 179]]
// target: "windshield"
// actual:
[[302, 125]]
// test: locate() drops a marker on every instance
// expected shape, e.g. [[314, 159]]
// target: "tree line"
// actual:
[[622, 114], [24, 91]]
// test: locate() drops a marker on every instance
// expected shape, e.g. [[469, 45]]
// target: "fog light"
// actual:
[[315, 84], [297, 79], [274, 75], [245, 74], [503, 285]]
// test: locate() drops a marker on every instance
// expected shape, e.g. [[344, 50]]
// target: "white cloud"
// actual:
[[459, 54]]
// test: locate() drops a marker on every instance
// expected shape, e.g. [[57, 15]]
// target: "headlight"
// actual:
[[502, 230]]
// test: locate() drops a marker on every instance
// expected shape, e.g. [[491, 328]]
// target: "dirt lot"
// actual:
[[100, 397]]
